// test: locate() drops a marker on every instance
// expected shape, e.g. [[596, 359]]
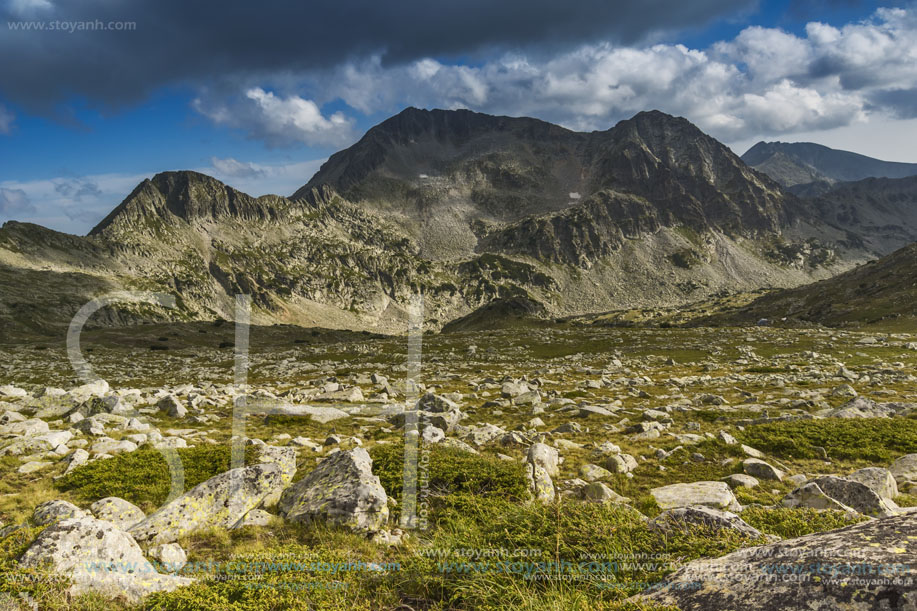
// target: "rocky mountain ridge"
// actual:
[[453, 177], [463, 207]]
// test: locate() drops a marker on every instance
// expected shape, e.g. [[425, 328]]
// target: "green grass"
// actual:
[[875, 440], [796, 522], [590, 541], [450, 471], [561, 556], [142, 477]]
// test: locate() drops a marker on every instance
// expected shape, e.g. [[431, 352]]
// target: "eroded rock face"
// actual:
[[867, 566], [98, 557], [218, 502], [709, 494], [341, 490]]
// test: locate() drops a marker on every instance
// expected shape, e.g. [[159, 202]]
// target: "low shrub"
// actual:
[[142, 477], [445, 470]]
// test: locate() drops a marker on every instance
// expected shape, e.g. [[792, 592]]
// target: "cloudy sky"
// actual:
[[96, 95]]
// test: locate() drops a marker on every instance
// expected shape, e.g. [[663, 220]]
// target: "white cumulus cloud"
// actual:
[[276, 120], [765, 82], [14, 202]]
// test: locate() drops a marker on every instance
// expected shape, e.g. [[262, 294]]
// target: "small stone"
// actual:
[[726, 438], [170, 556], [762, 470], [172, 406], [741, 480], [597, 492], [621, 463], [593, 473], [32, 466]]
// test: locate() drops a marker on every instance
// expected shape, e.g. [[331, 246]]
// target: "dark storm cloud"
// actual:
[[186, 41], [903, 102]]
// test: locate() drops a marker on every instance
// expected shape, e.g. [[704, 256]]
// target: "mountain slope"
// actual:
[[811, 168], [881, 211], [313, 261], [881, 290]]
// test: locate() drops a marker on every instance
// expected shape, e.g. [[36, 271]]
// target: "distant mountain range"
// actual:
[[465, 207], [812, 169]]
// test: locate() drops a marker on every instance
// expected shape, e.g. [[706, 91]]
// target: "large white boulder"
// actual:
[[341, 490]]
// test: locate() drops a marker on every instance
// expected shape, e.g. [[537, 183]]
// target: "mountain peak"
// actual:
[[417, 138], [182, 196], [169, 181], [456, 168], [656, 115], [656, 126]]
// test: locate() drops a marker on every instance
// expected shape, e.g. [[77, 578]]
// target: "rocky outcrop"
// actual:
[[863, 567], [98, 557], [342, 491], [218, 502], [716, 495]]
